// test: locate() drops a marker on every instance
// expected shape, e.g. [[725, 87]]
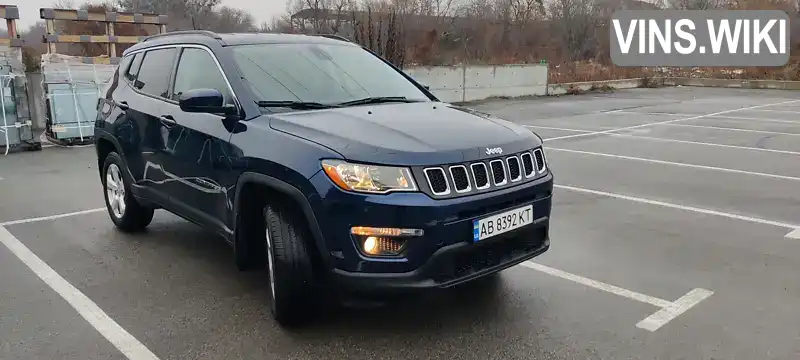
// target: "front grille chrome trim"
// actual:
[[485, 171], [541, 168], [505, 175], [487, 168], [430, 186], [533, 165], [519, 167], [466, 173]]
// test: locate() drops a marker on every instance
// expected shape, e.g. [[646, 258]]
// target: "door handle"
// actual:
[[122, 105], [167, 120]]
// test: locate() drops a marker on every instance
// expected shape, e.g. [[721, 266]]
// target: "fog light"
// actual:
[[371, 245], [382, 246], [379, 241]]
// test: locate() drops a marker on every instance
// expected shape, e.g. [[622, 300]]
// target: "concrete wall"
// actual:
[[559, 89], [735, 83], [478, 82]]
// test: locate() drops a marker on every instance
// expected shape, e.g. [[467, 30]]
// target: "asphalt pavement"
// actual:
[[673, 237]]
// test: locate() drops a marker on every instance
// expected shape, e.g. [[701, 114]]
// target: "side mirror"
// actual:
[[205, 101], [426, 87]]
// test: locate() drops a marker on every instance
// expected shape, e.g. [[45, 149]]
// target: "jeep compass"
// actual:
[[319, 162]]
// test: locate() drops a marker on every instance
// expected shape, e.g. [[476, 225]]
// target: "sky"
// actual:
[[262, 10]]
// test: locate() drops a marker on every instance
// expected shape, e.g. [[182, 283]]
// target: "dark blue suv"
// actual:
[[319, 161]]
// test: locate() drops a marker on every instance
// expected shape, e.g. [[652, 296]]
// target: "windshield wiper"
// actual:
[[298, 105], [377, 100]]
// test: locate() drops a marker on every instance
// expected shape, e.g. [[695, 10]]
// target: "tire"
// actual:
[[289, 266], [126, 213]]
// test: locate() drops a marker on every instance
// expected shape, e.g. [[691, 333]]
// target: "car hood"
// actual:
[[407, 133]]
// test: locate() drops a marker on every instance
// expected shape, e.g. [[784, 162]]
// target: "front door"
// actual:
[[199, 152]]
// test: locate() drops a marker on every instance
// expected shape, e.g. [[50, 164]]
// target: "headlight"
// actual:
[[369, 178]]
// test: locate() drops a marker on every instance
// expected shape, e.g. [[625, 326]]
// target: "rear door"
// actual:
[[149, 89], [200, 155]]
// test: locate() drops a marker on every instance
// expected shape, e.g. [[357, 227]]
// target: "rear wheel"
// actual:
[[289, 265], [126, 213]]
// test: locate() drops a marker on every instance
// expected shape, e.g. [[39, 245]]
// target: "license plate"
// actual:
[[501, 223]]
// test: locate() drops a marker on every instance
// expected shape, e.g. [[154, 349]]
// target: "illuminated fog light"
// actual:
[[371, 245], [382, 246]]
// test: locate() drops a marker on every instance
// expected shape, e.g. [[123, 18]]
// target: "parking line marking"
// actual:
[[707, 144], [779, 111], [132, 348], [680, 207], [685, 141], [739, 118], [733, 129], [669, 309], [680, 306], [557, 128], [51, 217], [705, 167], [726, 117], [794, 234], [598, 285], [666, 121]]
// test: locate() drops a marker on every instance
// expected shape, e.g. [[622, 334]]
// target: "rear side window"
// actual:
[[154, 74], [197, 70], [133, 70]]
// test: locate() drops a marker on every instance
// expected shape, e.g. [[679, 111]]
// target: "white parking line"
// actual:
[[51, 217], [666, 314], [779, 111], [669, 309], [794, 234], [586, 132], [707, 144], [740, 118], [557, 128], [733, 129], [675, 124], [132, 348], [666, 121], [654, 161], [682, 207], [726, 117]]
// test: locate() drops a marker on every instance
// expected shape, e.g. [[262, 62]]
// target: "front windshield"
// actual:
[[321, 73]]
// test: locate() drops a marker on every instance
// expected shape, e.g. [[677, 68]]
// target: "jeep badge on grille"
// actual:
[[492, 151]]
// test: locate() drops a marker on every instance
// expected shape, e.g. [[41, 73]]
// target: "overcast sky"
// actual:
[[262, 10]]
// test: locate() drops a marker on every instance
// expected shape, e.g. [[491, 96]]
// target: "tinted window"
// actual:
[[133, 70], [323, 73], [197, 70], [155, 71]]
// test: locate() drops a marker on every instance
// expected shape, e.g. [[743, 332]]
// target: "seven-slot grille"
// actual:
[[481, 175]]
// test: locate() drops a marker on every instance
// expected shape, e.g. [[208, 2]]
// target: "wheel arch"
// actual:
[[104, 145], [247, 182]]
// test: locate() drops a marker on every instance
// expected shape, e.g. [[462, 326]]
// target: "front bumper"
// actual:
[[455, 264], [445, 255]]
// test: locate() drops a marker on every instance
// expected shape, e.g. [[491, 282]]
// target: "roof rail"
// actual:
[[185, 32], [335, 37]]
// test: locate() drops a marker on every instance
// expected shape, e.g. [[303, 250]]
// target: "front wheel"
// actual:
[[126, 213], [289, 265]]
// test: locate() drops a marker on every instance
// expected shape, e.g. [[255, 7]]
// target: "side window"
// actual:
[[155, 72], [133, 70], [197, 70]]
